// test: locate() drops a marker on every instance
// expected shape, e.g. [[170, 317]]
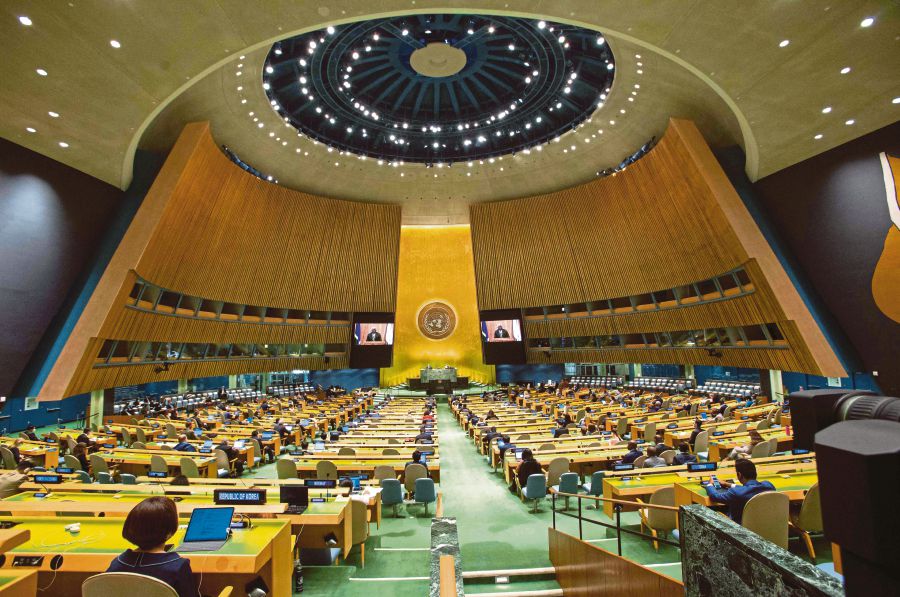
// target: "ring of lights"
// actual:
[[502, 85]]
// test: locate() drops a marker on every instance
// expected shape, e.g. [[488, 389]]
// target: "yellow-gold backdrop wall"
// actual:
[[436, 264]]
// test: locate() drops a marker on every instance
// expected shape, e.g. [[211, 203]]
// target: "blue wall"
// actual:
[[534, 373], [346, 378], [208, 383], [704, 372], [650, 370], [860, 381], [47, 413]]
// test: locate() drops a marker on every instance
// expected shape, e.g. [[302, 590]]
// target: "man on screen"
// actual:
[[500, 332], [373, 336]]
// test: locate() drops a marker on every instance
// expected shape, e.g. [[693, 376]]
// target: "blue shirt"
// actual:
[[684, 458], [169, 567], [631, 456], [737, 496]]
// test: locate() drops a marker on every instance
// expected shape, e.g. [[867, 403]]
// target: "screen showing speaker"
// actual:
[[372, 342], [502, 340]]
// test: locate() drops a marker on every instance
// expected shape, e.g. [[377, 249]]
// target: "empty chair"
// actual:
[[657, 520], [257, 452], [773, 445], [286, 468], [141, 436], [557, 467], [126, 437], [98, 465], [763, 425], [158, 464], [411, 474], [595, 486], [668, 456], [545, 447], [760, 450], [127, 479], [359, 527], [390, 452], [650, 433], [701, 445], [523, 437], [325, 469], [223, 465], [72, 462], [171, 432], [568, 483], [138, 446], [809, 519], [622, 427], [766, 514], [346, 451], [70, 444], [9, 461], [83, 477], [392, 441], [189, 468], [424, 492], [104, 478], [535, 489], [741, 428], [384, 471], [94, 428]]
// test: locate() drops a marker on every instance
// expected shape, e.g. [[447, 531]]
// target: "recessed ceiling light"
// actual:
[[330, 30], [114, 43], [63, 144], [541, 24], [41, 72], [845, 70], [867, 22], [819, 136], [31, 129], [53, 114], [784, 43], [25, 21], [849, 122], [896, 100], [826, 109]]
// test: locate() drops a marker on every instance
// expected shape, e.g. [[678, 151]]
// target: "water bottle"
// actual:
[[298, 576]]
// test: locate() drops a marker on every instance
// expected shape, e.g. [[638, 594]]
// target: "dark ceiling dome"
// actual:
[[439, 88]]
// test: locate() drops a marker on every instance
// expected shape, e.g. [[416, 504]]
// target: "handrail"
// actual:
[[447, 576], [615, 501]]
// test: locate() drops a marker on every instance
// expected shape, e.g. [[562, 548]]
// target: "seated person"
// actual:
[[698, 428], [11, 480], [180, 480], [633, 453], [560, 431], [268, 451], [416, 459], [85, 437], [183, 445], [491, 415], [80, 451], [652, 460], [660, 446], [504, 444], [30, 434], [684, 455], [528, 466], [736, 496], [745, 450], [424, 434], [16, 449], [148, 526]]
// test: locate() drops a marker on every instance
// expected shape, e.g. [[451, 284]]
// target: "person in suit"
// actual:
[[232, 455], [500, 332], [148, 526], [652, 460], [373, 336], [30, 434], [529, 466], [737, 496], [84, 437], [424, 434], [633, 453], [660, 446], [16, 452], [80, 451], [183, 445], [684, 455], [698, 427]]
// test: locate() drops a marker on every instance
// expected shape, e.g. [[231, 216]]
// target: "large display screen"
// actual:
[[373, 334], [505, 330]]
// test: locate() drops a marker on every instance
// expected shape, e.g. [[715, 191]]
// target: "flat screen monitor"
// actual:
[[502, 340], [372, 341], [503, 330], [295, 495], [156, 475], [373, 334]]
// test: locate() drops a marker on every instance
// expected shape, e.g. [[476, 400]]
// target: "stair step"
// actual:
[[541, 593], [512, 572]]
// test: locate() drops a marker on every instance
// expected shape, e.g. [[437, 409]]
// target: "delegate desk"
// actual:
[[137, 462], [584, 462], [306, 467], [44, 454], [262, 550], [16, 583], [720, 446], [794, 485]]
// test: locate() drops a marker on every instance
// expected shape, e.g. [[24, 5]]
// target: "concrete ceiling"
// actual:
[[718, 62]]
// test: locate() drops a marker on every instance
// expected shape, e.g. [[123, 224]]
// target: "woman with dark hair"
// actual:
[[529, 466], [148, 526], [80, 452]]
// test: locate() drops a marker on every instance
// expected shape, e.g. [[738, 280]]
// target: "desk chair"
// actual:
[[650, 433], [171, 432], [139, 445], [359, 527], [595, 486], [126, 438], [557, 467], [391, 493], [412, 473], [122, 583], [568, 483], [95, 428], [346, 451], [83, 476], [98, 465], [639, 461], [104, 478], [523, 437], [127, 479], [760, 450], [659, 521], [9, 462], [189, 468], [325, 469], [668, 456], [535, 489], [773, 446], [22, 435], [158, 464], [424, 493], [141, 436], [742, 428], [286, 468], [701, 446], [766, 514], [763, 425], [224, 467], [257, 452], [392, 441], [622, 428], [383, 471], [545, 447], [809, 519], [70, 444], [390, 452]]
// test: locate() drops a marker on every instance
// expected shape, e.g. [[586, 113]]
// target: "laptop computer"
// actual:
[[207, 529], [239, 444], [296, 497]]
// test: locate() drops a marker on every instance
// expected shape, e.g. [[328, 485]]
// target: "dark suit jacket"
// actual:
[[526, 469], [737, 496], [169, 567]]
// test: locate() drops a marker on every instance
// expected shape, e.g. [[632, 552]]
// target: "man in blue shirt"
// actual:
[[737, 496], [633, 453], [684, 455], [183, 445]]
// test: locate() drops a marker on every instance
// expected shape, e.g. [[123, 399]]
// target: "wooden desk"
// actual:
[[137, 462], [793, 485], [18, 583]]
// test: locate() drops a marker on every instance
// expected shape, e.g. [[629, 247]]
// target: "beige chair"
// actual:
[[763, 425], [622, 427], [557, 467], [123, 583], [809, 519], [126, 437], [189, 468], [72, 462], [650, 433], [70, 444], [393, 441], [171, 432], [742, 428], [701, 445], [359, 527], [668, 456], [138, 446], [413, 472], [545, 447], [383, 471], [141, 436], [158, 464], [390, 452], [657, 520], [98, 465], [766, 514], [639, 461], [9, 461], [325, 469], [760, 450], [286, 468], [224, 467], [523, 437], [773, 445], [346, 451]]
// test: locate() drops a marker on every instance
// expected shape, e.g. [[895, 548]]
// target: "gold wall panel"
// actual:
[[436, 265]]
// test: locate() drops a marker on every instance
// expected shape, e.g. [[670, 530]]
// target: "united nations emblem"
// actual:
[[437, 320]]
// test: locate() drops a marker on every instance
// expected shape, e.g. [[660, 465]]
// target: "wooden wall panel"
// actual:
[[227, 235]]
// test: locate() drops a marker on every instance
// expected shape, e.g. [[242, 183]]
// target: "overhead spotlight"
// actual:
[[542, 24], [784, 43], [867, 22]]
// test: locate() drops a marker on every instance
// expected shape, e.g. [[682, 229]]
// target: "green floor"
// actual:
[[496, 531]]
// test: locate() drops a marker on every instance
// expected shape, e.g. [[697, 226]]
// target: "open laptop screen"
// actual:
[[209, 524], [295, 495]]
